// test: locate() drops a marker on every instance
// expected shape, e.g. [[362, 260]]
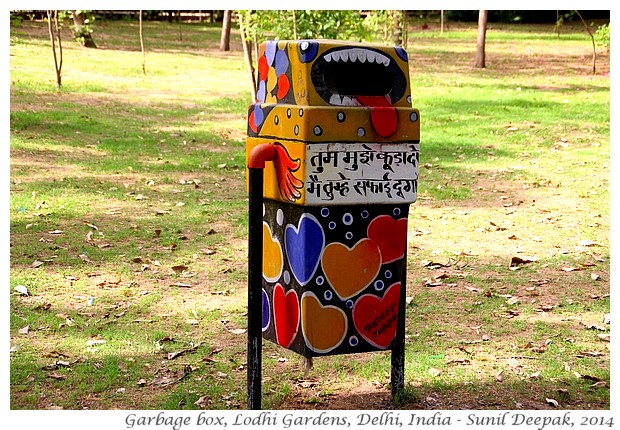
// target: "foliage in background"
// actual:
[[602, 36], [524, 16], [306, 24], [389, 26]]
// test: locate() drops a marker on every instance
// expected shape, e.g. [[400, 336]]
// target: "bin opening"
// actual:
[[342, 74], [350, 79]]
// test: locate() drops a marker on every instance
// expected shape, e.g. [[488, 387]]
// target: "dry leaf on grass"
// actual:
[[588, 243], [513, 300], [552, 402], [434, 371], [516, 260], [180, 284], [604, 336], [202, 402], [56, 375], [498, 376], [21, 290]]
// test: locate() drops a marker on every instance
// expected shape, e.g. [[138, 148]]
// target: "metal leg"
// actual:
[[255, 280], [398, 350]]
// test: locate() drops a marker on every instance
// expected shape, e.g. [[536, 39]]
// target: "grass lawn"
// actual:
[[128, 228]]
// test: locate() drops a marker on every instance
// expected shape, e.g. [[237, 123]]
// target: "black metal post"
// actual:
[[398, 350], [255, 280]]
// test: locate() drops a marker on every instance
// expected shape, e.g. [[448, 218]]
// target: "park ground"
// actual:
[[129, 188]]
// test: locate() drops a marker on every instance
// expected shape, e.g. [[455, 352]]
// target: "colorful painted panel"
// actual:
[[332, 73], [338, 288], [337, 194]]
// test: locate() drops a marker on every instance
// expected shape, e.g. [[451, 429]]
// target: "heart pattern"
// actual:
[[391, 236], [273, 258], [304, 245], [350, 270], [285, 315], [376, 318], [323, 327], [332, 277]]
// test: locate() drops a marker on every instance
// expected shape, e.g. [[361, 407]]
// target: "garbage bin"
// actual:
[[345, 144]]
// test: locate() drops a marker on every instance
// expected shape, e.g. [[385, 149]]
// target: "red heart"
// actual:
[[376, 318], [391, 236], [285, 315]]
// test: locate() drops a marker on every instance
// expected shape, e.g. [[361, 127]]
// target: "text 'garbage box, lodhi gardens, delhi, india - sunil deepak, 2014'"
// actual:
[[333, 153]]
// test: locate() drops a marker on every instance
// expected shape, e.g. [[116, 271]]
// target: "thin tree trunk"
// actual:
[[441, 31], [84, 36], [405, 28], [397, 37], [247, 52], [294, 25], [481, 41], [225, 37], [55, 34], [142, 43], [180, 28], [593, 41]]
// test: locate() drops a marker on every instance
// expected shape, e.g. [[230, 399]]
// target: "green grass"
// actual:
[[144, 177]]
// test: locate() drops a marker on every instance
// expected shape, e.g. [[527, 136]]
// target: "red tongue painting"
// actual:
[[383, 115]]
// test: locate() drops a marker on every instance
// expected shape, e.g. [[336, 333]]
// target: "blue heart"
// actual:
[[266, 311], [304, 246]]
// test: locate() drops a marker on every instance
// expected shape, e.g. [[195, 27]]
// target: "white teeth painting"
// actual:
[[357, 55]]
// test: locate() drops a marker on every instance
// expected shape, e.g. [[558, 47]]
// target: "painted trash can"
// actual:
[[336, 196]]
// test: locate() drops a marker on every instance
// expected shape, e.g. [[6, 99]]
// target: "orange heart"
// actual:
[[350, 270], [323, 327], [273, 262]]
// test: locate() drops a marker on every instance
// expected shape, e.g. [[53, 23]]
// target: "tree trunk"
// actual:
[[225, 37], [397, 36], [482, 34], [593, 41], [247, 53], [52, 22], [180, 26], [441, 31], [81, 31], [405, 27], [142, 43]]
